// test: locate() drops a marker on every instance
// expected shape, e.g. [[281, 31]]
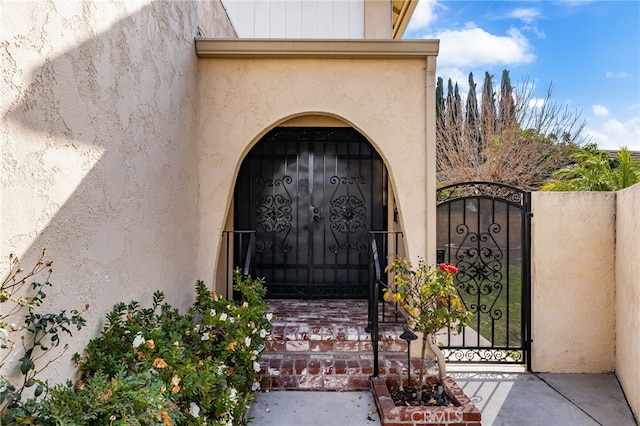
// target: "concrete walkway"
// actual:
[[505, 395]]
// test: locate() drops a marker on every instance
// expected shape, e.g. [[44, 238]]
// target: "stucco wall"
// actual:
[[99, 158], [573, 282], [243, 98], [628, 294]]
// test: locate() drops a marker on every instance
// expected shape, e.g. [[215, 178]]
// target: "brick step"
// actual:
[[333, 372], [336, 339], [323, 345]]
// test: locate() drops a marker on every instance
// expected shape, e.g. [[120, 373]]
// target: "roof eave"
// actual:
[[326, 49]]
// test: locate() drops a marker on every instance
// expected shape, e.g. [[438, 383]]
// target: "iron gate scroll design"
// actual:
[[348, 214], [484, 229], [274, 212]]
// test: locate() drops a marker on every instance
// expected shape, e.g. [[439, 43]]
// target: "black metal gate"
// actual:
[[484, 229], [312, 195]]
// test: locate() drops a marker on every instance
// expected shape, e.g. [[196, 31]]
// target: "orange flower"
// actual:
[[232, 345], [159, 363], [151, 344], [166, 420]]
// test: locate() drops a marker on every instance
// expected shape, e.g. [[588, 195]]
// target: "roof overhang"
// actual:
[[402, 12], [329, 49]]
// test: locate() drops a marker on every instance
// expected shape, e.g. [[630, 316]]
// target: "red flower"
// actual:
[[448, 268]]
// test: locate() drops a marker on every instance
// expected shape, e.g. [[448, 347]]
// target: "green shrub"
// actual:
[[207, 359], [136, 400]]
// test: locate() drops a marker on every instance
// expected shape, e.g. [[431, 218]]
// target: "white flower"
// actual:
[[247, 341], [205, 336], [256, 366], [221, 369], [194, 410], [213, 313], [232, 320], [269, 316], [138, 340], [255, 386], [233, 395], [263, 333], [176, 343], [223, 316]]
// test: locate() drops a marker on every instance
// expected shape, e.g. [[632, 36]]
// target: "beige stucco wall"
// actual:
[[573, 282], [99, 148], [241, 99], [627, 304]]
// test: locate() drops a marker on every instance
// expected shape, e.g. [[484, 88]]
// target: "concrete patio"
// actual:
[[505, 395]]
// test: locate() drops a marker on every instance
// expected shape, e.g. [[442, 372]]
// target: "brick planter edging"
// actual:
[[465, 413]]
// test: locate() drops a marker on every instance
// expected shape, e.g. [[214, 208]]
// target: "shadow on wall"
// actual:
[[99, 157]]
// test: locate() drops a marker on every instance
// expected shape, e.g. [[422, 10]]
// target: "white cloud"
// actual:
[[474, 47], [536, 102], [600, 111], [456, 75], [423, 16], [614, 134], [525, 14], [611, 74]]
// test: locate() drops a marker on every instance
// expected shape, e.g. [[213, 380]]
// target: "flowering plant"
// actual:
[[30, 337], [206, 361], [430, 300]]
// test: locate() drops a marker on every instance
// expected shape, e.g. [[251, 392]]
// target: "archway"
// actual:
[[312, 194]]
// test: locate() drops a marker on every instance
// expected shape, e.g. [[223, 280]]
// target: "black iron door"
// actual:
[[484, 229], [312, 195]]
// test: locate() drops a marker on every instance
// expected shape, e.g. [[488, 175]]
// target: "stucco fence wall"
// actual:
[[627, 301], [585, 286]]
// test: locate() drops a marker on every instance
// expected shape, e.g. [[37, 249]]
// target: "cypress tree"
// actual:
[[472, 117], [507, 109], [488, 118], [440, 103]]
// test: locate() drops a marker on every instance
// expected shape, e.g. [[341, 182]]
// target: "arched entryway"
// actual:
[[312, 194]]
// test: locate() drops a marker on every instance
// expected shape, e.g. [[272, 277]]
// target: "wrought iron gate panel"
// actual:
[[484, 229], [312, 195]]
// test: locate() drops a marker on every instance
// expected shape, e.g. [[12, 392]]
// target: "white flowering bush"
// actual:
[[206, 360]]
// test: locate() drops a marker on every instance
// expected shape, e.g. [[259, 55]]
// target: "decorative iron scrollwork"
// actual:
[[348, 214], [489, 355], [274, 212], [478, 260], [498, 191]]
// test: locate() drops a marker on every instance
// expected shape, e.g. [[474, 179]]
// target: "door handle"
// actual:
[[315, 214]]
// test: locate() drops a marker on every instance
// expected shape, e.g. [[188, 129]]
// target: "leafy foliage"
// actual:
[[595, 170], [137, 400], [39, 335], [207, 360], [429, 298]]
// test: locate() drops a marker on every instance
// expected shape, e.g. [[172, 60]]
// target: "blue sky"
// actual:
[[588, 49]]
